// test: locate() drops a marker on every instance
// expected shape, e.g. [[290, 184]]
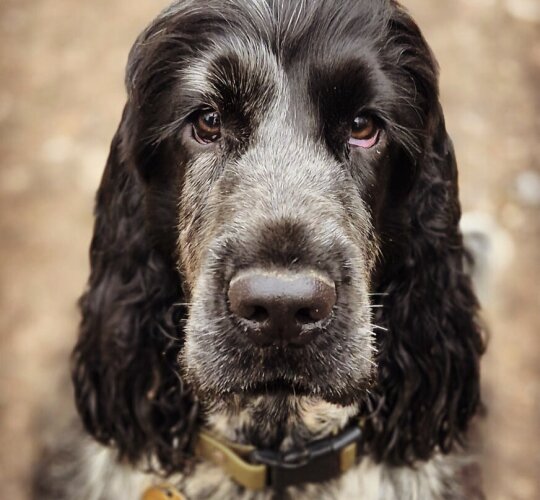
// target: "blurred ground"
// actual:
[[61, 94]]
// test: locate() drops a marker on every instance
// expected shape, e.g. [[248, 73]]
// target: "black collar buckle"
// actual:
[[320, 461]]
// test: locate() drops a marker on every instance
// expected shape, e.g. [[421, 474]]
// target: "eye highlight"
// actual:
[[364, 132], [206, 126]]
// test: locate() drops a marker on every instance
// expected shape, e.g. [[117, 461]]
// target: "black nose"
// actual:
[[282, 307]]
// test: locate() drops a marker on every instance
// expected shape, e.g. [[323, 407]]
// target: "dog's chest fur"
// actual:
[[307, 417]]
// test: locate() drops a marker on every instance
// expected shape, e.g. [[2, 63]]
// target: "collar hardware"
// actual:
[[228, 456], [255, 469]]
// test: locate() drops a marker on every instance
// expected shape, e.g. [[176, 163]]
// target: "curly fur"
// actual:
[[169, 236]]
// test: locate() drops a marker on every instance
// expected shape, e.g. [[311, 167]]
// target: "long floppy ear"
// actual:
[[127, 389], [428, 387]]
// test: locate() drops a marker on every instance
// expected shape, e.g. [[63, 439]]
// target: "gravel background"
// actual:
[[61, 94]]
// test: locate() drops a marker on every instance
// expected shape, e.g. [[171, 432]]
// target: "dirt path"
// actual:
[[61, 94]]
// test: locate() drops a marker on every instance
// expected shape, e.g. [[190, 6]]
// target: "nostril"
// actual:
[[251, 312], [245, 302], [304, 316], [259, 314]]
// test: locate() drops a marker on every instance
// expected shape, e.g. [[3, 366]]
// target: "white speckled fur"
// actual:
[[108, 480]]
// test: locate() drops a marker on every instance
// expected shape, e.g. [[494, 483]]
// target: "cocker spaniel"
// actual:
[[277, 306]]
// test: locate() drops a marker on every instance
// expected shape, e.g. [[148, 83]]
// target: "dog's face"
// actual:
[[287, 153], [280, 191]]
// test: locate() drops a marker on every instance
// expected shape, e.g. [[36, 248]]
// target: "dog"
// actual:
[[277, 306]]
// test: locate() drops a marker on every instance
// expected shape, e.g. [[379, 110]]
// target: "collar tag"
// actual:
[[163, 492]]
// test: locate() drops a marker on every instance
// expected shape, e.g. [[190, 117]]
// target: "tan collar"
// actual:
[[232, 458]]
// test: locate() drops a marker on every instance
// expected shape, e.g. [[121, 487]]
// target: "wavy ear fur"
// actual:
[[430, 339], [428, 387], [127, 389]]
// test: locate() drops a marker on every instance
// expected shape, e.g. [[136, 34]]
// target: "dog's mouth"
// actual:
[[278, 386], [285, 389]]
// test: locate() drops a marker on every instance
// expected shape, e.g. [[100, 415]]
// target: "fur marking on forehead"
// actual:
[[245, 67]]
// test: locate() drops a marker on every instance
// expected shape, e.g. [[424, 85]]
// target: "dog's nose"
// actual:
[[282, 307]]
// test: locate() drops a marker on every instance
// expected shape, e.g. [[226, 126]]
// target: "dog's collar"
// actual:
[[257, 469]]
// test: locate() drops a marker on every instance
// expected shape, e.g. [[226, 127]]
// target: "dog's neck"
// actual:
[[278, 422]]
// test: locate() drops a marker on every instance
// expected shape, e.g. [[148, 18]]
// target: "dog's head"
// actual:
[[279, 214]]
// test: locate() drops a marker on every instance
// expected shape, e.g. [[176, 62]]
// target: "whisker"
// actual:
[[371, 362]]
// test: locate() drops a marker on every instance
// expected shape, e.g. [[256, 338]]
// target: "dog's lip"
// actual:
[[277, 385]]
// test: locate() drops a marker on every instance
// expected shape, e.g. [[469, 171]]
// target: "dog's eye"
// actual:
[[207, 126], [364, 132]]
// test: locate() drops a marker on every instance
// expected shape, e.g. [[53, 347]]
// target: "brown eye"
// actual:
[[363, 127], [207, 126], [364, 132]]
